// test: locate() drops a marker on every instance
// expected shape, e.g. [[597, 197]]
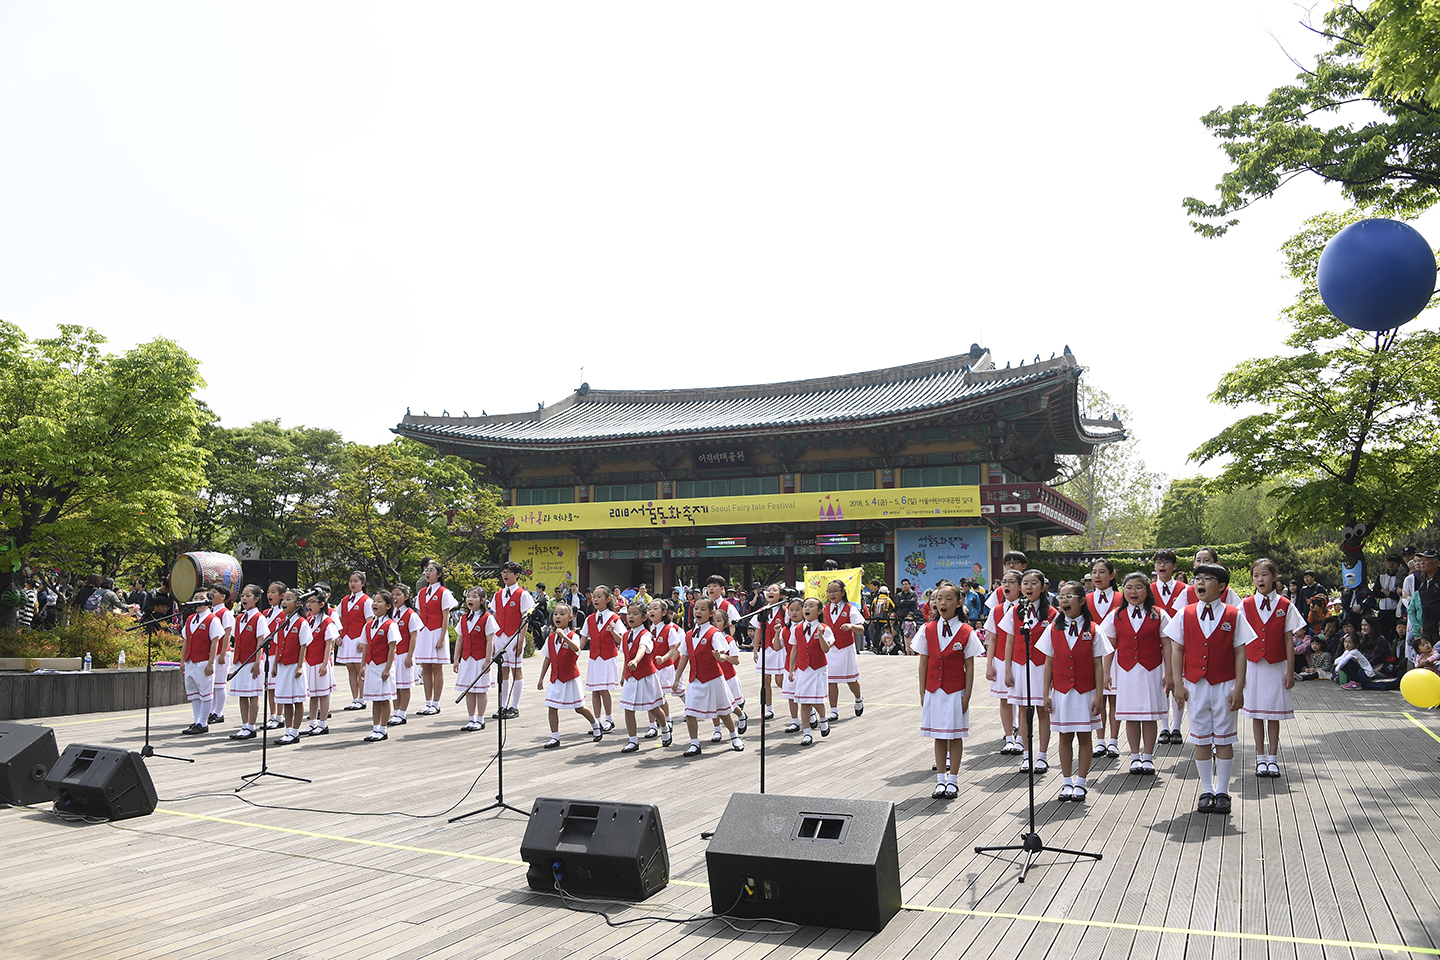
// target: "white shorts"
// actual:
[[349, 651], [223, 666], [1017, 689], [1212, 722], [707, 700], [602, 674], [564, 696], [812, 686], [473, 676], [315, 684], [377, 688], [423, 643], [844, 666], [288, 687], [641, 694], [1070, 712], [514, 653], [1265, 695], [198, 686], [942, 716], [246, 685], [1140, 694]]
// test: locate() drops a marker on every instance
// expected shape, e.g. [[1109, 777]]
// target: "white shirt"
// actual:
[[1294, 623], [1100, 646], [1175, 629], [921, 643]]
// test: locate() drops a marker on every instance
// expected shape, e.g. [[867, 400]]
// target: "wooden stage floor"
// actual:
[[1338, 858]]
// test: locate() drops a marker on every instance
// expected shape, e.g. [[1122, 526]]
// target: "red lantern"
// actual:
[[301, 542]]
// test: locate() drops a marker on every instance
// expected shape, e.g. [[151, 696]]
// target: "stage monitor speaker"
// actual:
[[603, 849], [810, 860], [27, 752], [105, 782]]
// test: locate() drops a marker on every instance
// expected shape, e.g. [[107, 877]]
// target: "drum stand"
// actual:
[[146, 750], [264, 771], [1030, 842], [499, 803]]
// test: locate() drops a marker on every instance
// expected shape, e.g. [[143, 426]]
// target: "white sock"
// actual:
[[952, 779], [400, 714], [635, 740], [1147, 756], [694, 743], [1207, 775], [504, 692], [1222, 775], [219, 707], [1177, 713], [940, 778], [1079, 781], [197, 707], [514, 701], [1041, 756], [1069, 781]]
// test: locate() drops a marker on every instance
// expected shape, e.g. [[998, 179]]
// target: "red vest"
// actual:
[[1017, 640], [602, 641], [1209, 658], [197, 638], [507, 609], [288, 652], [377, 640], [699, 647], [945, 664], [1002, 638], [564, 661], [472, 638], [352, 614], [315, 653], [1177, 594], [1142, 646], [432, 615], [1097, 616], [1073, 666], [247, 638], [843, 638], [403, 619], [806, 636], [1271, 645], [632, 647]]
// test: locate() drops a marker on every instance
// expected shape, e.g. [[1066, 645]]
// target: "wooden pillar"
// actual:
[[582, 574], [667, 575], [890, 560]]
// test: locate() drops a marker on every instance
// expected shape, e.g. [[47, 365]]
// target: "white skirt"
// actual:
[[424, 641], [474, 676], [667, 681], [564, 696], [376, 688], [348, 651], [737, 696], [774, 661], [317, 685], [787, 686], [270, 672], [601, 675], [513, 650], [707, 699], [1140, 693], [844, 666], [246, 685], [1070, 712], [812, 686], [641, 694], [942, 717], [198, 686], [1114, 688], [288, 687], [1265, 695], [404, 676], [1017, 690], [998, 690]]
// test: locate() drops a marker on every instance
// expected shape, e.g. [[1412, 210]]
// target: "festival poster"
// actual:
[[926, 555], [550, 562], [817, 582]]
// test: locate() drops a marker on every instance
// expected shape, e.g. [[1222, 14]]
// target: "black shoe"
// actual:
[[552, 743], [243, 735], [286, 740], [692, 751], [376, 737], [215, 718], [195, 728], [1206, 804], [395, 722], [630, 747], [1222, 803]]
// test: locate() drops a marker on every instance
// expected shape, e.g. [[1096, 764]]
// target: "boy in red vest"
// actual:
[[200, 634], [1169, 596], [1209, 638], [511, 608], [1271, 673]]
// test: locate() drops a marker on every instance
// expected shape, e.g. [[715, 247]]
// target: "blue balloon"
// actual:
[[1376, 274]]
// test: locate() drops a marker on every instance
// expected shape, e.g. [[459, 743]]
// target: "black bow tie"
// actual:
[[1265, 604], [1209, 613], [1137, 612], [946, 630], [1074, 629]]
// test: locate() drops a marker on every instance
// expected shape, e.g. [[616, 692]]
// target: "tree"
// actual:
[[1238, 515], [95, 449], [1348, 429], [1182, 514], [1380, 60]]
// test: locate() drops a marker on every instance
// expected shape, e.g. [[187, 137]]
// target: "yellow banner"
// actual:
[[551, 562], [902, 504], [818, 581]]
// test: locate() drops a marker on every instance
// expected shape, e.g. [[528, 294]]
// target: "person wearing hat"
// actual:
[[1427, 591], [1387, 594]]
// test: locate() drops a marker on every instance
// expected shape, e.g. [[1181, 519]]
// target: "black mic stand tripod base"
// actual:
[[1030, 842], [146, 750], [499, 803], [252, 778]]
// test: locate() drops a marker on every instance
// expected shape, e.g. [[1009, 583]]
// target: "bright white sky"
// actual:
[[348, 209]]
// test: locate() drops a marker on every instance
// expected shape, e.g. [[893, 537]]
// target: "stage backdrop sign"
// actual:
[[818, 581], [928, 554], [551, 562], [684, 514]]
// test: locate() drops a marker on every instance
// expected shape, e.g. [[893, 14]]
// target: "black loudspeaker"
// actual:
[[608, 849], [102, 782], [829, 863], [27, 753]]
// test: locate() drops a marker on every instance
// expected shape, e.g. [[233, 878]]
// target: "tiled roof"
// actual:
[[874, 397]]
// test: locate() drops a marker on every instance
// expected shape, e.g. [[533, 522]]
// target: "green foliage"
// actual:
[[101, 635], [1348, 429], [1238, 515], [1378, 59], [1182, 513], [1236, 557]]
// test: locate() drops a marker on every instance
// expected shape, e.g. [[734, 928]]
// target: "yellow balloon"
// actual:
[[1421, 688]]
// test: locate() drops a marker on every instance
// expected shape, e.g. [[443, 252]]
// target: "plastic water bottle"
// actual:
[[86, 667], [120, 661]]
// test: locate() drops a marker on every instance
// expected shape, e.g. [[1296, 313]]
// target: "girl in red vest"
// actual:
[[998, 643], [292, 639], [1075, 652], [562, 659], [774, 653], [408, 622], [794, 618], [947, 649], [1136, 629], [706, 694], [640, 678], [251, 628], [355, 609], [1270, 676], [669, 636], [1025, 677], [473, 656], [846, 626], [809, 664], [432, 644], [379, 642], [275, 594], [720, 619], [1101, 602], [1208, 651], [319, 671], [603, 631]]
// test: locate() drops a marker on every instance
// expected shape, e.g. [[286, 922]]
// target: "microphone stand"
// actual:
[[264, 771], [499, 803], [148, 751], [764, 676], [1031, 842]]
